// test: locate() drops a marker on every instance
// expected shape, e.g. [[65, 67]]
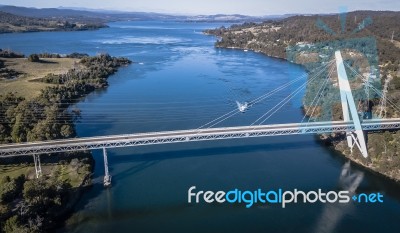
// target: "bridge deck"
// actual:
[[75, 144]]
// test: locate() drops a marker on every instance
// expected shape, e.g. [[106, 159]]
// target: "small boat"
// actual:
[[242, 107], [107, 181]]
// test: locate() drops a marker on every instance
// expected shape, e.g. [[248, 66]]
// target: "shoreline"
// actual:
[[16, 23], [71, 171], [53, 30], [326, 140], [368, 168]]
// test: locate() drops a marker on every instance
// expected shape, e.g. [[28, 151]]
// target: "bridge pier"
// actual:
[[107, 177], [38, 167]]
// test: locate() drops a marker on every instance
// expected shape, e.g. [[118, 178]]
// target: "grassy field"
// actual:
[[24, 85], [15, 170], [67, 172]]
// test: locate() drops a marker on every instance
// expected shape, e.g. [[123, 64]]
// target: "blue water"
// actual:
[[180, 81]]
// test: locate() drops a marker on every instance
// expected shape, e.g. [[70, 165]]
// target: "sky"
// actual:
[[193, 7]]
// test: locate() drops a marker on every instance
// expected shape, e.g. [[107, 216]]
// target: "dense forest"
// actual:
[[35, 205], [311, 41]]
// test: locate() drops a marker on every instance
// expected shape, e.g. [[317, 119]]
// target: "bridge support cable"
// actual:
[[320, 95], [320, 69], [251, 103], [367, 86], [387, 100], [38, 167], [259, 99], [284, 101], [382, 103], [278, 106], [349, 108], [379, 93], [317, 97], [107, 177]]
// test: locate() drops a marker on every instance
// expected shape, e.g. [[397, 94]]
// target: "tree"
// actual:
[[18, 133], [34, 58], [66, 131], [12, 226], [8, 192], [34, 191], [11, 188]]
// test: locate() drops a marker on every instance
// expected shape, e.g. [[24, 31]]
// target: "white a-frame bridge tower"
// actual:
[[350, 113]]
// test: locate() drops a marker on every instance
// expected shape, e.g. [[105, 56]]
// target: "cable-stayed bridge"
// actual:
[[353, 125], [142, 139]]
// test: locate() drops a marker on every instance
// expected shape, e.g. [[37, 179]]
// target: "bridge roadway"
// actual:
[[113, 141]]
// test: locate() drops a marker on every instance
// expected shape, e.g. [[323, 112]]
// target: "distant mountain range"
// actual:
[[63, 13]]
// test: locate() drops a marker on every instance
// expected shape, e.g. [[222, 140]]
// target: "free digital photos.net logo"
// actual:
[[356, 50], [279, 196]]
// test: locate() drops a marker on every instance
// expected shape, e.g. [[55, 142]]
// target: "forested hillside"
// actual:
[[311, 37], [15, 23]]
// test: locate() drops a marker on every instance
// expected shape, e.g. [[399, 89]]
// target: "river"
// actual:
[[180, 81]]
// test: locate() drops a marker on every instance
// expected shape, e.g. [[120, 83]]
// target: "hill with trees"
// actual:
[[309, 40], [74, 15], [15, 23]]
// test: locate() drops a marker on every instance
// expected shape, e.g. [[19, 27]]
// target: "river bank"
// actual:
[[28, 204], [11, 23], [273, 39], [375, 164]]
